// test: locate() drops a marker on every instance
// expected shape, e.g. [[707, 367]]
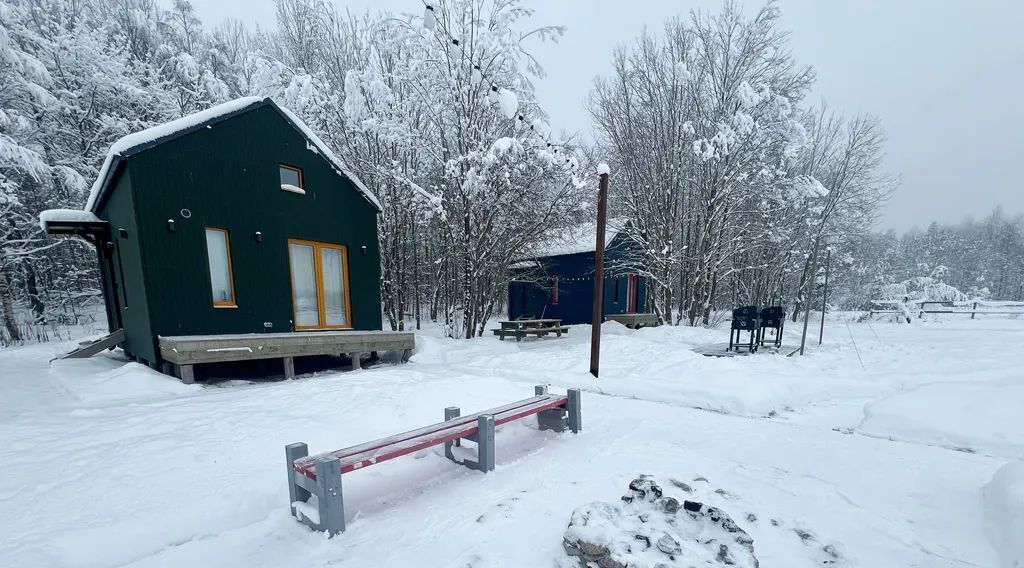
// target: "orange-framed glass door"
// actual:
[[320, 292]]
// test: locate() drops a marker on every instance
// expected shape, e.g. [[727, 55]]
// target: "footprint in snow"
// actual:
[[684, 486], [826, 555]]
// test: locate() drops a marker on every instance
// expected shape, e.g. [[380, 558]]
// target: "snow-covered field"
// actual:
[[820, 459]]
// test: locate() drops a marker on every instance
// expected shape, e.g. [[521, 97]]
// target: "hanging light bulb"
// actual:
[[429, 19], [477, 75], [492, 95]]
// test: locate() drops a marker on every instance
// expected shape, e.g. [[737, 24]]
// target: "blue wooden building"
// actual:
[[557, 279]]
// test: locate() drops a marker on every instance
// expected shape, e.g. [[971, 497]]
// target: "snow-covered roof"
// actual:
[[145, 139], [575, 239], [66, 216]]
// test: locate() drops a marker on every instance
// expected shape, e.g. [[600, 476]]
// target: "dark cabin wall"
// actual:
[[575, 287], [227, 177], [128, 287]]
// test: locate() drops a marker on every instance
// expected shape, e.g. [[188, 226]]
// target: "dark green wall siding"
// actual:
[[127, 263], [226, 176]]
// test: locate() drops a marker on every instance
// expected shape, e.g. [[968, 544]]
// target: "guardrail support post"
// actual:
[[575, 411], [485, 443], [293, 452], [451, 413], [329, 498]]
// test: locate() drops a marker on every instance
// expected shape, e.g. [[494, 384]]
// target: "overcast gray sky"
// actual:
[[944, 76]]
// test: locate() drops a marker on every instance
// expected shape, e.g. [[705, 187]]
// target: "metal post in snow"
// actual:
[[602, 214], [824, 293], [806, 303]]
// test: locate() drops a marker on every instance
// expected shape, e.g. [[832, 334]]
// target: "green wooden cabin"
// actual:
[[234, 220]]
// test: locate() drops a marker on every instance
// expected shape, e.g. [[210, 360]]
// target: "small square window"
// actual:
[[291, 179]]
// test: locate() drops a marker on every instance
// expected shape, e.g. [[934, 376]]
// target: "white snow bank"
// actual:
[[66, 216], [105, 380], [1004, 513], [191, 476], [975, 416]]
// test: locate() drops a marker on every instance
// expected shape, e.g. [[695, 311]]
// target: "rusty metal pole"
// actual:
[[595, 329]]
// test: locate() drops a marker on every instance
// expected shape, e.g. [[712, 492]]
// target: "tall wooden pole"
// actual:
[[824, 293], [595, 329]]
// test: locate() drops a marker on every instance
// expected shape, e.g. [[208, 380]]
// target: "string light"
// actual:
[[430, 21]]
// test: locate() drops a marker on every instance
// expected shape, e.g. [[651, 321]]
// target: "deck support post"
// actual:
[[186, 374], [289, 367], [356, 361], [329, 497], [167, 368]]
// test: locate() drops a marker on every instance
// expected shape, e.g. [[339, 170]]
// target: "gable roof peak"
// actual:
[[154, 136]]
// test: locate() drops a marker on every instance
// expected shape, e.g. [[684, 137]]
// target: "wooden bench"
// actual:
[[314, 482], [521, 328]]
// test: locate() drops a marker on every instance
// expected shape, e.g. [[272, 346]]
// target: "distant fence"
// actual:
[[947, 307]]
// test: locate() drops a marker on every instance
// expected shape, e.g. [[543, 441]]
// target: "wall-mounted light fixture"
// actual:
[[123, 233], [170, 225], [362, 249], [258, 236]]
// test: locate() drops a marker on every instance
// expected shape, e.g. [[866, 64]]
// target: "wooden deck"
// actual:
[[181, 352]]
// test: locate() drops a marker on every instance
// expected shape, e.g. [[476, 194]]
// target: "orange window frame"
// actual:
[[233, 302], [296, 169], [318, 275]]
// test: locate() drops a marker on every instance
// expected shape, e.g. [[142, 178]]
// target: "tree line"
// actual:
[[734, 184]]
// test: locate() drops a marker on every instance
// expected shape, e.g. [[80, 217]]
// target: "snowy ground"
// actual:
[[889, 463]]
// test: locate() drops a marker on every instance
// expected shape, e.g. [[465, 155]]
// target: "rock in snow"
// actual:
[[651, 529]]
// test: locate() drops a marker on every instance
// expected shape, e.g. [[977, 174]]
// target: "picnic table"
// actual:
[[522, 327], [634, 321]]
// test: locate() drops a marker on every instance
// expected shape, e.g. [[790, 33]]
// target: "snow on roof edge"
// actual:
[[123, 145], [575, 239], [154, 133], [67, 216], [326, 152]]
